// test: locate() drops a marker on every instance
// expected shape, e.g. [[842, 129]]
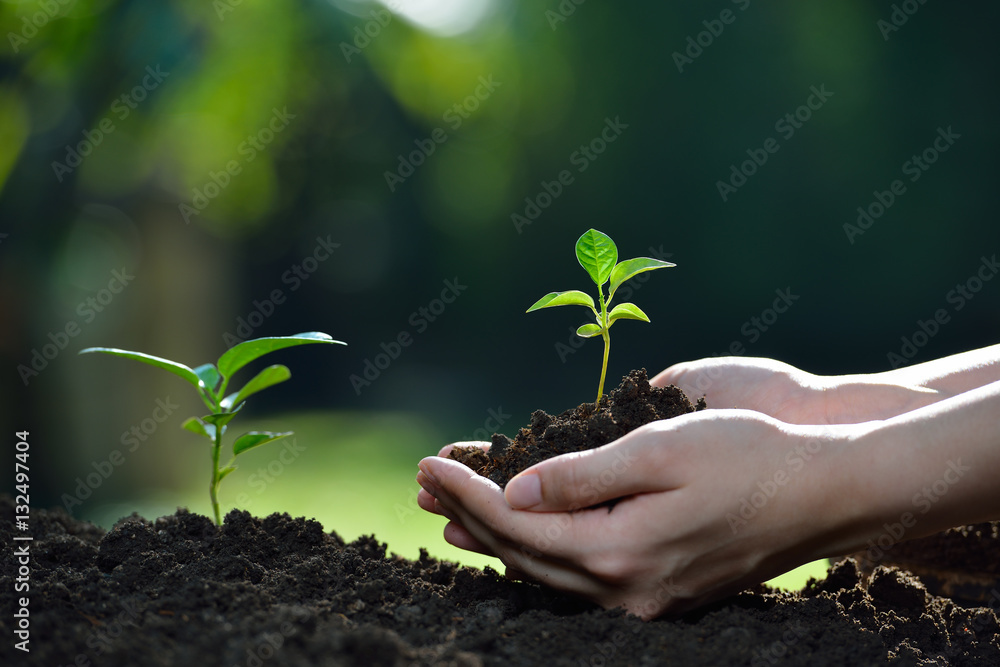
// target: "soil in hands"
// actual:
[[278, 591], [633, 404]]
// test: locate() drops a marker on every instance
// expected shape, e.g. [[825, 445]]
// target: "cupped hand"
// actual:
[[709, 503], [792, 395]]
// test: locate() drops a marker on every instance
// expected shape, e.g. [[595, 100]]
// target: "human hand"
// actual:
[[792, 395], [710, 502]]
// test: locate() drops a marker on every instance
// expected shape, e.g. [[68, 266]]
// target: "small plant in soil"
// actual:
[[589, 425], [212, 381], [598, 255]]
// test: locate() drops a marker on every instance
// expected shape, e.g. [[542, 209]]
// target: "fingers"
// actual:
[[456, 535], [478, 505], [574, 552], [469, 498], [641, 462]]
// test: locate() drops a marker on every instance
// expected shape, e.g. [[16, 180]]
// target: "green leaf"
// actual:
[[626, 311], [632, 267], [225, 471], [209, 375], [240, 355], [172, 366], [256, 439], [588, 331], [268, 377], [569, 298], [196, 425], [222, 418], [597, 254]]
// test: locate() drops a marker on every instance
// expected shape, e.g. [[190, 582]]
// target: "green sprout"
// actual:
[[211, 381], [598, 255]]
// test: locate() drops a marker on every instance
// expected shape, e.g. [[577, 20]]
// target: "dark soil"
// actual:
[[962, 563], [279, 591], [587, 426]]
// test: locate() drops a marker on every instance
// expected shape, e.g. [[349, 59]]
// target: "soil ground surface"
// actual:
[[961, 563], [279, 591]]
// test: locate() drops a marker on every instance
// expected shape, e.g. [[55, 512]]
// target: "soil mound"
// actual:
[[279, 591]]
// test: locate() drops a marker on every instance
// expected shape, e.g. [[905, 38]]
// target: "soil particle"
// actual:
[[279, 591]]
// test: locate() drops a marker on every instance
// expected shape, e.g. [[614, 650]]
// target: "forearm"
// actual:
[[951, 375], [865, 397], [924, 471]]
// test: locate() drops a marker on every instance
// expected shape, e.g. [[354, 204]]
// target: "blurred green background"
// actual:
[[177, 175]]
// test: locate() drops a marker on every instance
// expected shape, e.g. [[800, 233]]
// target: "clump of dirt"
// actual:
[[587, 426], [278, 591], [962, 563]]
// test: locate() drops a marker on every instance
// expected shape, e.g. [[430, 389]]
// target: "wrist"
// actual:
[[853, 399], [916, 474], [842, 500]]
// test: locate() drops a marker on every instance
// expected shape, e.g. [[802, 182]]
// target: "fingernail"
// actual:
[[524, 491], [425, 483], [426, 467]]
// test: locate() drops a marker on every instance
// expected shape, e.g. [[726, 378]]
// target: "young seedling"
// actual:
[[598, 255], [211, 381]]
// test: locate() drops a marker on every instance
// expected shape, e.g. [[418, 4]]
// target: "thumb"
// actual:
[[581, 479], [669, 375], [686, 376]]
